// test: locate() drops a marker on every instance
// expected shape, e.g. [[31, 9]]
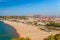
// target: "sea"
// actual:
[[7, 32]]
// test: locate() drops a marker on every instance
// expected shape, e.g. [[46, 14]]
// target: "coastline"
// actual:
[[30, 31]]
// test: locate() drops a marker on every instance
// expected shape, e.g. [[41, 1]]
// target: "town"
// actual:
[[37, 20], [51, 25], [40, 20]]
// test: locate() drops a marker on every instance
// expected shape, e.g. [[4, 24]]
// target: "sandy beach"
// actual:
[[30, 31]]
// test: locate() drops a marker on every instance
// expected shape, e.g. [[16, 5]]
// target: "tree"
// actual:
[[28, 38], [21, 38], [57, 36], [51, 37], [53, 24]]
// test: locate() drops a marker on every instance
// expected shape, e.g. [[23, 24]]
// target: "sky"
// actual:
[[29, 7]]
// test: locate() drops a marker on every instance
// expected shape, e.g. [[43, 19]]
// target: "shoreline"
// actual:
[[30, 31]]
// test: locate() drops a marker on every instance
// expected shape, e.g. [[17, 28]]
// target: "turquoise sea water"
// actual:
[[7, 31]]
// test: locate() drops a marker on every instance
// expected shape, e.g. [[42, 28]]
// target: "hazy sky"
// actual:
[[29, 7]]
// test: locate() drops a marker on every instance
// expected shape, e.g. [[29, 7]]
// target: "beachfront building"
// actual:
[[57, 20], [31, 19], [41, 23], [46, 20]]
